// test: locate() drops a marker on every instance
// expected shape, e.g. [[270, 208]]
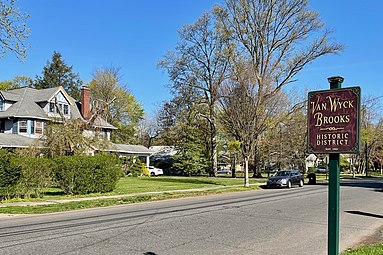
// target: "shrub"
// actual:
[[139, 169], [23, 177], [9, 175], [311, 170], [144, 169], [127, 163], [87, 174], [35, 175]]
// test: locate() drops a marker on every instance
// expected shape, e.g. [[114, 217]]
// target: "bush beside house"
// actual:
[[9, 175], [35, 174], [139, 169], [87, 174], [26, 177]]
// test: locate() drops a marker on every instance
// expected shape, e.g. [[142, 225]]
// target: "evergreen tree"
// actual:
[[57, 73], [190, 157]]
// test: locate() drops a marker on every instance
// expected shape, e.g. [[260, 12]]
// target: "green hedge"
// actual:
[[35, 175], [87, 174], [26, 177], [9, 175]]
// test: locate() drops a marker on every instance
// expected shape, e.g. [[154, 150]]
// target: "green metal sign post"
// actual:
[[333, 128], [333, 205], [334, 189]]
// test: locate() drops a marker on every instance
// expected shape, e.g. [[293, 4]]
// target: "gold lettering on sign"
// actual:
[[334, 104]]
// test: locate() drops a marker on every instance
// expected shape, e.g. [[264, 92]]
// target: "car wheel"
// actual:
[[289, 184], [301, 183], [152, 174]]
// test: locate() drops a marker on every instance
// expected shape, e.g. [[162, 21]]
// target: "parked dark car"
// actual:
[[286, 178]]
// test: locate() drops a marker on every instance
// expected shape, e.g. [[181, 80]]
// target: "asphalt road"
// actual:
[[281, 221]]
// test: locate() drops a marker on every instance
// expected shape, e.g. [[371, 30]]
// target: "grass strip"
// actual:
[[77, 205], [374, 249], [134, 185]]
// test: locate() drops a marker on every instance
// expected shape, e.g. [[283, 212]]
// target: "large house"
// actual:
[[25, 112]]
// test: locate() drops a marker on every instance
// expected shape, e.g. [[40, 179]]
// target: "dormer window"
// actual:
[[52, 107], [64, 108]]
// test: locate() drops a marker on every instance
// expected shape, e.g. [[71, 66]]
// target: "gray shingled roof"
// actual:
[[44, 95], [10, 96], [15, 141], [74, 110], [131, 149], [26, 102], [26, 105]]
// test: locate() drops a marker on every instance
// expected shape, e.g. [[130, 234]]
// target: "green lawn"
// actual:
[[133, 185], [375, 249], [347, 176], [129, 185]]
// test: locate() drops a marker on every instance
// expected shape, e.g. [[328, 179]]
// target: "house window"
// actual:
[[61, 108], [32, 127], [2, 104], [2, 126], [66, 109], [39, 127], [51, 107], [23, 126]]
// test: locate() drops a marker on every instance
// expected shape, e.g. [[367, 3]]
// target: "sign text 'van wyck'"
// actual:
[[333, 121]]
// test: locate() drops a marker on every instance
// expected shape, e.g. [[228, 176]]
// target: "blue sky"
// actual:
[[134, 35]]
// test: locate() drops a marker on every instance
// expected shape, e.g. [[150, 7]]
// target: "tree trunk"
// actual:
[[214, 154], [363, 167], [213, 144], [233, 164], [257, 172], [246, 171]]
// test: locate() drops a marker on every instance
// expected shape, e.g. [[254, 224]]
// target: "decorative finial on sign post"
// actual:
[[335, 82]]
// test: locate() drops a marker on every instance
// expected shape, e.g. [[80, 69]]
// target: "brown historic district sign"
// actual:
[[334, 120]]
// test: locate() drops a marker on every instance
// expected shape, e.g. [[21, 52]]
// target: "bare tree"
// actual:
[[13, 30], [243, 118], [200, 61], [276, 40], [370, 131], [377, 150], [148, 130]]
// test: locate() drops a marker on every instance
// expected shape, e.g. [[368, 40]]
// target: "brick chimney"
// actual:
[[85, 102]]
